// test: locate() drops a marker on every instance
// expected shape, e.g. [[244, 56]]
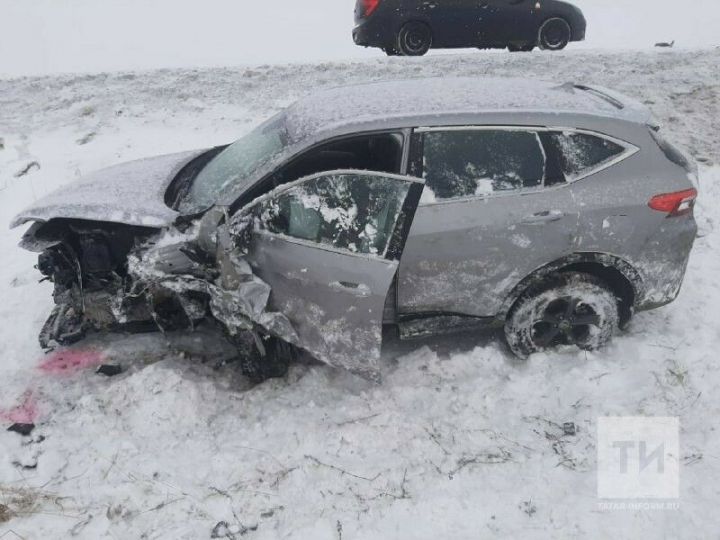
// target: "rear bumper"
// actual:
[[664, 263], [371, 33]]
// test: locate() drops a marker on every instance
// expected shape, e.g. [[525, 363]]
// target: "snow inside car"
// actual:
[[432, 205]]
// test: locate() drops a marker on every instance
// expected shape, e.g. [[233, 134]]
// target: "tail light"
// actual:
[[674, 204], [369, 6]]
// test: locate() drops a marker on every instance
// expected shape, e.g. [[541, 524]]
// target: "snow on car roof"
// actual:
[[405, 100]]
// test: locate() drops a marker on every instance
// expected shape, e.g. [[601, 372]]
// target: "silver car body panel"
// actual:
[[481, 251], [132, 193], [472, 252]]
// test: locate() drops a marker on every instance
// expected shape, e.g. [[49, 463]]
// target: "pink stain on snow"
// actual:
[[70, 361], [24, 413]]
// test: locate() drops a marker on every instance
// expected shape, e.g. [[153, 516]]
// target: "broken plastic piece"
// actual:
[[109, 370], [22, 429]]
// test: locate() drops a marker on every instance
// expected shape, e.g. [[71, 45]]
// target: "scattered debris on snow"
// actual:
[[22, 429], [33, 165], [109, 370]]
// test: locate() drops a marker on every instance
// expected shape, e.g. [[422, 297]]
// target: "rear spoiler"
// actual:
[[629, 106], [613, 98], [602, 94]]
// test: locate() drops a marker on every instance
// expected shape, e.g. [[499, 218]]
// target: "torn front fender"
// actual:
[[220, 283]]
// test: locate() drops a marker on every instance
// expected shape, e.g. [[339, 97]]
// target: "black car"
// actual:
[[412, 27]]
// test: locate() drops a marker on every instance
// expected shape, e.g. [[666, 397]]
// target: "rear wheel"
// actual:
[[414, 39], [566, 309], [554, 34]]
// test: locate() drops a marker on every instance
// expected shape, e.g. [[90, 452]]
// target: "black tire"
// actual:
[[554, 35], [273, 364], [565, 309], [414, 39], [528, 47]]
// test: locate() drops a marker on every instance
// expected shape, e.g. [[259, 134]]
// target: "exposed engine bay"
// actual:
[[122, 278]]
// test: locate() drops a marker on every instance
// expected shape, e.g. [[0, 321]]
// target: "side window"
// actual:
[[354, 212], [380, 152], [579, 153], [463, 163]]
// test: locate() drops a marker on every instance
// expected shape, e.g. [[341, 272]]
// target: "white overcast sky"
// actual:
[[51, 36]]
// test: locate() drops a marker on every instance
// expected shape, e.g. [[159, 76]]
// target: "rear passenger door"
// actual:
[[494, 209], [453, 22], [518, 21]]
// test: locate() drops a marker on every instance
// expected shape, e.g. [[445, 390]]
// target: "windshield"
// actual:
[[231, 167]]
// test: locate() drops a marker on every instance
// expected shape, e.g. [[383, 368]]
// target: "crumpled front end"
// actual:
[[177, 277], [86, 263], [110, 277]]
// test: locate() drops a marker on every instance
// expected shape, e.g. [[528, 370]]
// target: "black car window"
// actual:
[[579, 153], [354, 212], [464, 163], [379, 152]]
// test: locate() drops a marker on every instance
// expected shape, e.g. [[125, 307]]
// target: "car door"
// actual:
[[488, 19], [494, 210], [453, 22], [329, 246], [517, 21]]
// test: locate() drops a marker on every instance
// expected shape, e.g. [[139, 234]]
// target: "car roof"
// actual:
[[412, 102]]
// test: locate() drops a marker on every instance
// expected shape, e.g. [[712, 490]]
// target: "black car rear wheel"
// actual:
[[554, 34], [414, 39]]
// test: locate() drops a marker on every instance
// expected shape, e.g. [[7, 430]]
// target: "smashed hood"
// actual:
[[132, 193]]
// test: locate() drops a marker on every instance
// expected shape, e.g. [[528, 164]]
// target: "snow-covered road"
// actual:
[[459, 441]]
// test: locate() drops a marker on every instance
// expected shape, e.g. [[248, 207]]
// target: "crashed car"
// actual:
[[432, 205]]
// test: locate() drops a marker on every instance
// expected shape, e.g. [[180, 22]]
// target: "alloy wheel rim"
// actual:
[[415, 40], [554, 35], [564, 321]]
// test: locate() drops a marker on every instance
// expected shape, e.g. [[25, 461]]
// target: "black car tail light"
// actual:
[[368, 7]]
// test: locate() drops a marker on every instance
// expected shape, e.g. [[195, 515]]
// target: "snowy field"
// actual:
[[51, 36], [459, 441]]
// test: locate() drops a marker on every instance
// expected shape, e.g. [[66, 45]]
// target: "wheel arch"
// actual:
[[622, 277]]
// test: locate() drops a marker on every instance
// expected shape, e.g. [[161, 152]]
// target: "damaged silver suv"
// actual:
[[432, 205]]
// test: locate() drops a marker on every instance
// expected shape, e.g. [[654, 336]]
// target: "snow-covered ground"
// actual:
[[459, 441], [51, 36]]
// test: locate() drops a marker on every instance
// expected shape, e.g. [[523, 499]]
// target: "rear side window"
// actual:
[[465, 163], [578, 154]]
